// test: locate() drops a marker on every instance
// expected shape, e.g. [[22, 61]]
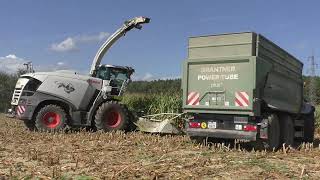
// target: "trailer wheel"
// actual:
[[198, 139], [287, 130], [51, 118], [308, 129], [273, 141], [112, 116]]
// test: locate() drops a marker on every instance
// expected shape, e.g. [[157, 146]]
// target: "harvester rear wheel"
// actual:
[[51, 118], [112, 116]]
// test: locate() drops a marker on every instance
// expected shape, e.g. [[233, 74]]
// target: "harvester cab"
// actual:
[[115, 78]]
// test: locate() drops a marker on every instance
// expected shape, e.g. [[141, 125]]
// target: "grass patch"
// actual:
[[267, 165]]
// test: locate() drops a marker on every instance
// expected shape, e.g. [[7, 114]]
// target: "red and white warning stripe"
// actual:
[[241, 99], [20, 110], [193, 98]]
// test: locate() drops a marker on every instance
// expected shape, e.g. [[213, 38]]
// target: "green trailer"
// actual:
[[243, 86]]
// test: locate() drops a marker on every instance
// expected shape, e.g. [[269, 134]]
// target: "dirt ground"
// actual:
[[87, 155]]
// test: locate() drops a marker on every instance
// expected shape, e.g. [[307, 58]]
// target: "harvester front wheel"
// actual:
[[112, 116], [51, 118], [30, 124]]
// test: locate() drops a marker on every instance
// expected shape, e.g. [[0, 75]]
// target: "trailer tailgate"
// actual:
[[219, 85]]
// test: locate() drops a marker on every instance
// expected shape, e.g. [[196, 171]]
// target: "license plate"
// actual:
[[212, 125]]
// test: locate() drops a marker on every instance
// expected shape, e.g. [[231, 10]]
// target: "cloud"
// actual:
[[66, 45], [11, 63], [91, 38], [53, 67], [151, 77], [11, 56], [72, 43], [60, 63], [170, 77], [147, 77]]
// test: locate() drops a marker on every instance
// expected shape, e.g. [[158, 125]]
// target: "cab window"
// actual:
[[106, 73], [103, 73]]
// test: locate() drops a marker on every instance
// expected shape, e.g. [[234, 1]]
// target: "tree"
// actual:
[[6, 89]]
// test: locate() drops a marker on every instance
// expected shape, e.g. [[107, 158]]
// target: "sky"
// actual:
[[66, 34]]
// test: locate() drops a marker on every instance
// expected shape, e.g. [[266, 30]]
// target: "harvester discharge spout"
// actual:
[[127, 26]]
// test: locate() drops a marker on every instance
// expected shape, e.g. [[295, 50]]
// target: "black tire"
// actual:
[[132, 119], [30, 124], [287, 130], [273, 141], [308, 129], [220, 141], [51, 118], [198, 139], [112, 116]]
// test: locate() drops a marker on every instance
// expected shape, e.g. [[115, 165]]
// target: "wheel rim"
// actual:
[[113, 119], [51, 119]]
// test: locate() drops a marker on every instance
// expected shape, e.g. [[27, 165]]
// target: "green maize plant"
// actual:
[[153, 103]]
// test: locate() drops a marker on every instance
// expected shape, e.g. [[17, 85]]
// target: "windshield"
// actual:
[[109, 73]]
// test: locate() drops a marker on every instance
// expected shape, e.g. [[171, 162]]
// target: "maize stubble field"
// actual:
[[136, 155]]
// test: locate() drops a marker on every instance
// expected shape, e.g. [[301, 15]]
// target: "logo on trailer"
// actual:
[[193, 98], [20, 110], [241, 99]]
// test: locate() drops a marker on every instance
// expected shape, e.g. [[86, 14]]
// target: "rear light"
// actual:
[[194, 125], [249, 127]]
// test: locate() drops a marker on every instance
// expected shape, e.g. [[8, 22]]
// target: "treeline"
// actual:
[[156, 86], [307, 86], [7, 84]]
